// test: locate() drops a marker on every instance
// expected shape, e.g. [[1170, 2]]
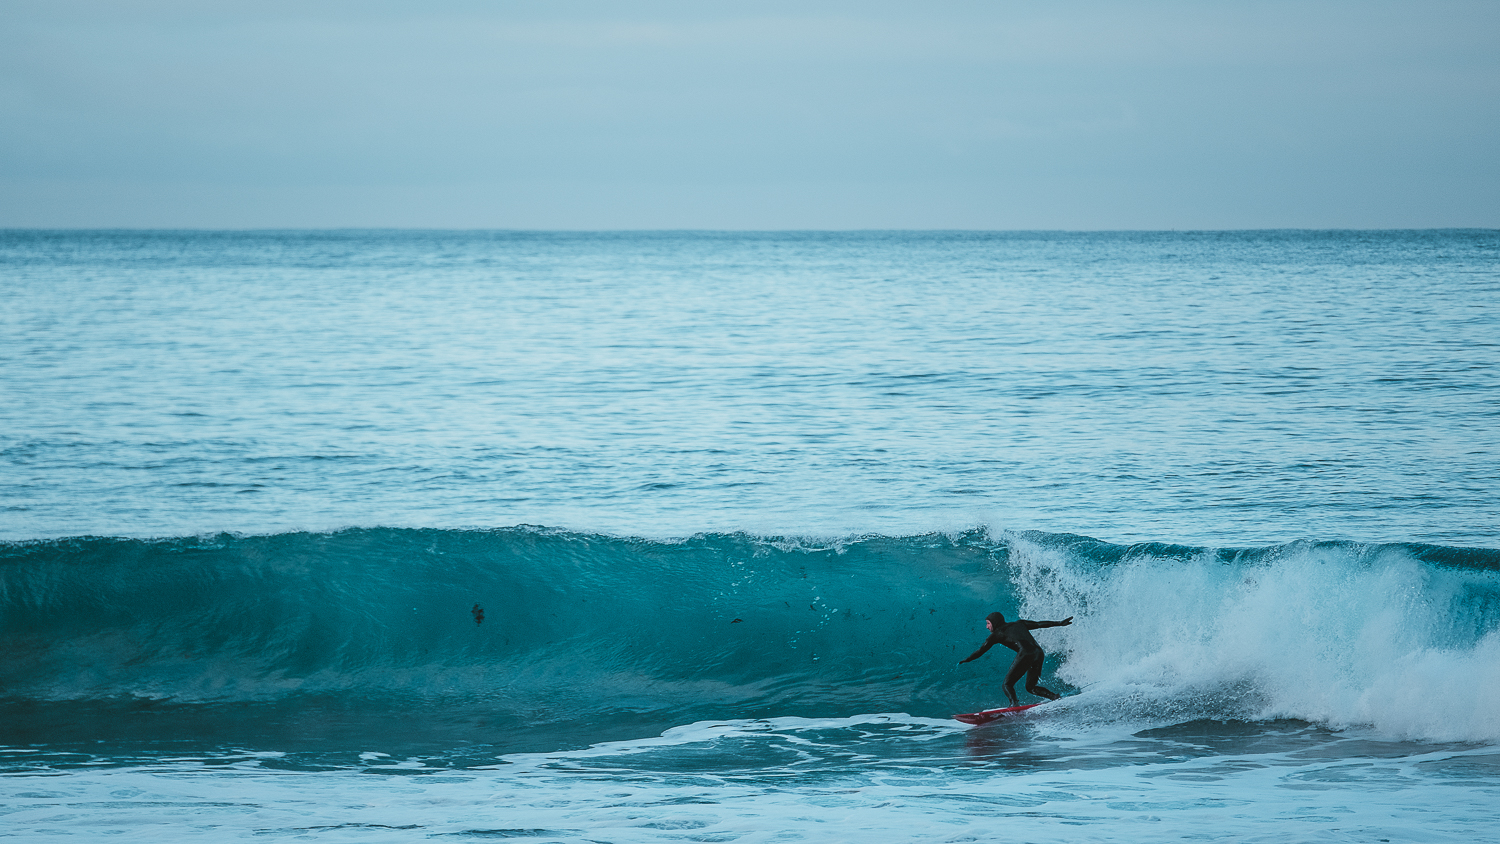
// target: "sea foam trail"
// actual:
[[536, 631]]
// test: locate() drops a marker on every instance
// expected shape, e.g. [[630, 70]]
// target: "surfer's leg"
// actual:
[[1017, 668], [1033, 674]]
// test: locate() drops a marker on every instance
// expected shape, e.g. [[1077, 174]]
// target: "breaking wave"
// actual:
[[525, 631]]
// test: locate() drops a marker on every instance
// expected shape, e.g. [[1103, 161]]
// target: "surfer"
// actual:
[[1016, 635]]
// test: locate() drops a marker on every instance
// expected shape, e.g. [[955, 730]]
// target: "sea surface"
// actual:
[[679, 536]]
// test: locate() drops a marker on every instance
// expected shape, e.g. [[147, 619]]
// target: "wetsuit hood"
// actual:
[[995, 619]]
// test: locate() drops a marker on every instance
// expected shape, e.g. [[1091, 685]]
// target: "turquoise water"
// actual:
[[678, 536]]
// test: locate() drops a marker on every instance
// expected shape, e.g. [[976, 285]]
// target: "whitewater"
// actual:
[[679, 536]]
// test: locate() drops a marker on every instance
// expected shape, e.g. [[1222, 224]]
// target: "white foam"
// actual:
[[1331, 635]]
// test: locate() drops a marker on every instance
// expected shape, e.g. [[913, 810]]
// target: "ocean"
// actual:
[[679, 536]]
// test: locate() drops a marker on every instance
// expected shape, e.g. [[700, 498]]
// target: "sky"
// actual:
[[749, 115]]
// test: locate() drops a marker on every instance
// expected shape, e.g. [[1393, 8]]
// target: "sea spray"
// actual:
[[1401, 638]]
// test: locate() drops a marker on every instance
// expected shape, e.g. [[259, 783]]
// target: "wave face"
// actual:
[[522, 635]]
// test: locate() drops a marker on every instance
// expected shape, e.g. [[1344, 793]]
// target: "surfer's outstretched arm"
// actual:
[[977, 654], [1037, 625]]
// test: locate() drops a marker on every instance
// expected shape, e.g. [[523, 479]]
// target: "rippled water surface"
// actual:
[[1215, 388]]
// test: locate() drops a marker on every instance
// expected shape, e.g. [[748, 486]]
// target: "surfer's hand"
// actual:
[[1065, 622]]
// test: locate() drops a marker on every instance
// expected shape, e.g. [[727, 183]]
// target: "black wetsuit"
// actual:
[[1016, 635]]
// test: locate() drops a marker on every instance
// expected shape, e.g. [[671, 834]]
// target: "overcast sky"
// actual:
[[750, 115]]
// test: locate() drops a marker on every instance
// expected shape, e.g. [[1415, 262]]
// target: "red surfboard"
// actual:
[[993, 714]]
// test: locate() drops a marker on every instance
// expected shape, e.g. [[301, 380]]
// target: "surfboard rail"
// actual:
[[989, 715]]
